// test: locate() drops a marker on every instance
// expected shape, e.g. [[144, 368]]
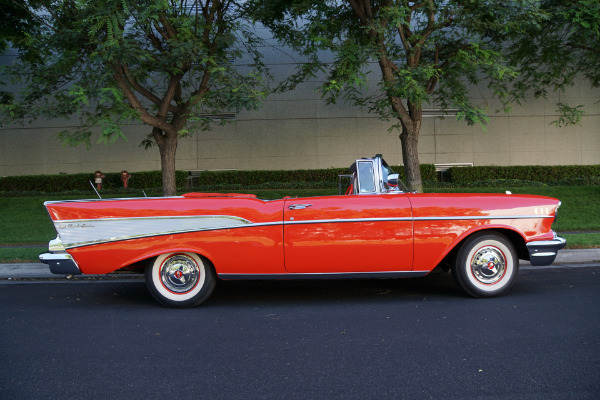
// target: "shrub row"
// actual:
[[535, 173], [232, 187], [78, 182], [323, 178], [252, 178], [300, 179]]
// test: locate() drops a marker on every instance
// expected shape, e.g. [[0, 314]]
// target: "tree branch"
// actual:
[[583, 47], [136, 104], [360, 12], [430, 85], [154, 39], [166, 105], [142, 90], [170, 30], [161, 31]]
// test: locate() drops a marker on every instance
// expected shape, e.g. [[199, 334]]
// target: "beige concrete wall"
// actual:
[[303, 132], [34, 149], [299, 131]]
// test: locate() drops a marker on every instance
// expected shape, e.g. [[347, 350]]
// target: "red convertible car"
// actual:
[[376, 229]]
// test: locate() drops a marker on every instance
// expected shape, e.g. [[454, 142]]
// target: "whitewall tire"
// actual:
[[180, 279], [486, 265]]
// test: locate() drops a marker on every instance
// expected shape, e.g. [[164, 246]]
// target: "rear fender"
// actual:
[[109, 257]]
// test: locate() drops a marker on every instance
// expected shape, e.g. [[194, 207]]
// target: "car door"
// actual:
[[345, 234]]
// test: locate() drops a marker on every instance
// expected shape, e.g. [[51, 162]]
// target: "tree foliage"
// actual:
[[166, 63], [16, 25], [427, 53], [17, 21], [558, 42]]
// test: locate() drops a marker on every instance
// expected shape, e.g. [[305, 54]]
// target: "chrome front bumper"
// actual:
[[60, 263], [544, 252]]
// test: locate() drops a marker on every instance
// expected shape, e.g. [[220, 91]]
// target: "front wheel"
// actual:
[[486, 265], [180, 279]]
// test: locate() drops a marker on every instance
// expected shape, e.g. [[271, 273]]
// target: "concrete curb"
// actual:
[[578, 256], [590, 257], [39, 271]]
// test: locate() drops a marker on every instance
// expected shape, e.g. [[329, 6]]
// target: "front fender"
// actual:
[[432, 247]]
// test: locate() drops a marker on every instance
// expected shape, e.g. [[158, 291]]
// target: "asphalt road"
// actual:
[[371, 339]]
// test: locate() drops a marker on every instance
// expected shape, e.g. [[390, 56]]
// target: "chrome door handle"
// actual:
[[299, 206]]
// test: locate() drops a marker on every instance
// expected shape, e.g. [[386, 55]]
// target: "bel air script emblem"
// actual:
[[75, 226]]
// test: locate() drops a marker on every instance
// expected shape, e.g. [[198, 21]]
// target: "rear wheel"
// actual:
[[486, 265], [180, 279]]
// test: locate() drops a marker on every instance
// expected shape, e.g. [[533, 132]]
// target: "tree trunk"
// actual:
[[410, 155], [168, 148]]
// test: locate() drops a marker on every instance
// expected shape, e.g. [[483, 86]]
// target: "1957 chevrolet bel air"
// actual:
[[376, 229]]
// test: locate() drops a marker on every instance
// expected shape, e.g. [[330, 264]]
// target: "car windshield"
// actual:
[[373, 179], [390, 178], [366, 175]]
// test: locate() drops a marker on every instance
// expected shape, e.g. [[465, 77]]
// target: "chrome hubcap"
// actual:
[[488, 265], [179, 273]]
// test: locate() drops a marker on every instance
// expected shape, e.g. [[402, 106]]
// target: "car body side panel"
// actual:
[[251, 209], [253, 250], [343, 234], [443, 220], [329, 234], [239, 235]]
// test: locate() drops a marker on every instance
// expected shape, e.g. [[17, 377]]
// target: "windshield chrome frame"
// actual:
[[377, 177]]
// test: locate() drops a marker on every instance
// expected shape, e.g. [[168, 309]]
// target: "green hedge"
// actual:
[[322, 178], [536, 173], [251, 178], [64, 182]]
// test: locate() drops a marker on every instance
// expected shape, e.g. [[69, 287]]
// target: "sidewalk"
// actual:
[[41, 271]]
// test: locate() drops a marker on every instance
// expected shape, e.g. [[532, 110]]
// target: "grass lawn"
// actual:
[[582, 240], [579, 211], [24, 220], [21, 254]]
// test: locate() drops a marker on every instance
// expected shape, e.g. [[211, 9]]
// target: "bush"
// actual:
[[80, 182], [485, 176], [253, 178], [490, 183], [232, 187], [279, 179], [535, 173], [584, 181]]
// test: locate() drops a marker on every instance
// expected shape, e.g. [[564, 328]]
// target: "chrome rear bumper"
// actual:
[[60, 263], [544, 252]]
